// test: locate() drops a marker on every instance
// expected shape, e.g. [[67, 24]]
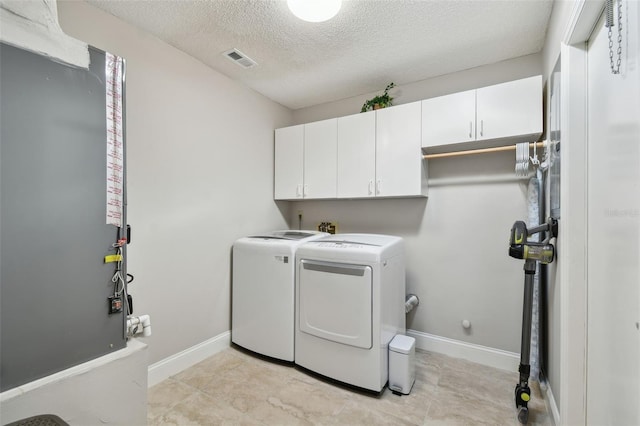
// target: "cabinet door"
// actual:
[[398, 151], [449, 119], [288, 172], [510, 109], [357, 155], [320, 159]]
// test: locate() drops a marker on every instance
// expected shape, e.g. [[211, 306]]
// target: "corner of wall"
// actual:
[[33, 26]]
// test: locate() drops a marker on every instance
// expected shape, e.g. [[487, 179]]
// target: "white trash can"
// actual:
[[402, 367]]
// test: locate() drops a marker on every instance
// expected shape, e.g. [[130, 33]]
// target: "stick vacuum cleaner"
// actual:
[[531, 252]]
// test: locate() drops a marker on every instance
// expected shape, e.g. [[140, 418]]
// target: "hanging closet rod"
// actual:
[[480, 151]]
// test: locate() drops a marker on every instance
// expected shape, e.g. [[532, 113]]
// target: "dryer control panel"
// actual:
[[341, 245], [345, 244]]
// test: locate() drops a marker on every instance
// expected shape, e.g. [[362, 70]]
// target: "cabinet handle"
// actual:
[[370, 187], [305, 190], [470, 128], [481, 127], [299, 190], [378, 186]]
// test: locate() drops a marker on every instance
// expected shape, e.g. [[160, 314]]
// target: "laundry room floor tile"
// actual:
[[235, 387]]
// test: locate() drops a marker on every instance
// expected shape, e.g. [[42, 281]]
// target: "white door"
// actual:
[[320, 159], [449, 119], [398, 151], [288, 165], [509, 109], [335, 302], [357, 155], [613, 260]]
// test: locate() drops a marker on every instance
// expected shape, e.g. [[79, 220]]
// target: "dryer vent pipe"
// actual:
[[411, 302], [139, 325]]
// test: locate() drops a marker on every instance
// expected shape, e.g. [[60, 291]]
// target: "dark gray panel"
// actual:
[[53, 236]]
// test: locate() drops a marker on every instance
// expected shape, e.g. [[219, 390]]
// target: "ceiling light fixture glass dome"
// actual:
[[314, 10]]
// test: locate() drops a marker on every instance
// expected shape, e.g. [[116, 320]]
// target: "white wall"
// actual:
[[487, 75], [200, 167], [558, 22], [457, 239]]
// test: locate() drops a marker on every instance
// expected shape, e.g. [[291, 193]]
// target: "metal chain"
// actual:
[[616, 69]]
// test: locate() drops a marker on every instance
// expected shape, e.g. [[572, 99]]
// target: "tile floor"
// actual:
[[238, 388]]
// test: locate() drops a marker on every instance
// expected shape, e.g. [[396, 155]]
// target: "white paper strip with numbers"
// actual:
[[115, 146]]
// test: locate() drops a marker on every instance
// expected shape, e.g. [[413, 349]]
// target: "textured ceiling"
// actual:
[[367, 45]]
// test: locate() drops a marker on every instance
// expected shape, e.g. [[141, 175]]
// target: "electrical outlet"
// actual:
[[330, 227]]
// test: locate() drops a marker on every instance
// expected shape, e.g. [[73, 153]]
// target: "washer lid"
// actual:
[[289, 235], [352, 248], [344, 244], [374, 240]]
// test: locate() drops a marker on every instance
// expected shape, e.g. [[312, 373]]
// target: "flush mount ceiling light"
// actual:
[[314, 10]]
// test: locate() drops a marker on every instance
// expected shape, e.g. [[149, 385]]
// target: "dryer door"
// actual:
[[335, 301]]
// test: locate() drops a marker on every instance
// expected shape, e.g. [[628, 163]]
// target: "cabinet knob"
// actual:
[[305, 190], [370, 187], [299, 190], [378, 186], [481, 127], [470, 129]]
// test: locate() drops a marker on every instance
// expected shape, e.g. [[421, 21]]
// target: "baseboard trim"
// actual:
[[551, 405], [174, 364], [484, 355]]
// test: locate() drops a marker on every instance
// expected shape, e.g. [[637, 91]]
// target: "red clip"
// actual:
[[120, 242]]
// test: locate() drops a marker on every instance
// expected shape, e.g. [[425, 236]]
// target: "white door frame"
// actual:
[[573, 229]]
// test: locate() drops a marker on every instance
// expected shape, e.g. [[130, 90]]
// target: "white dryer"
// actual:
[[262, 296], [350, 291]]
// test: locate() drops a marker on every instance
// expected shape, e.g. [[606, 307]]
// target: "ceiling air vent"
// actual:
[[240, 58]]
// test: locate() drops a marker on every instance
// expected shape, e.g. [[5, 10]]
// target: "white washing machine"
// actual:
[[262, 295], [350, 291]]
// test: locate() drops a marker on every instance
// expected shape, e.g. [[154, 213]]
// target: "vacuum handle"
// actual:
[[518, 239], [519, 233]]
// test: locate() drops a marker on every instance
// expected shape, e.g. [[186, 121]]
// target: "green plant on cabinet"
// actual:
[[380, 101]]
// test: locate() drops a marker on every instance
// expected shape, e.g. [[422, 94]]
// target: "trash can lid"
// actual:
[[402, 344]]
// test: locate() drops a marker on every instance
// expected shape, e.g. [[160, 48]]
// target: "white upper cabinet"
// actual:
[[289, 160], [399, 164], [491, 116], [305, 161], [449, 119], [357, 155], [320, 159], [379, 153], [510, 109]]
